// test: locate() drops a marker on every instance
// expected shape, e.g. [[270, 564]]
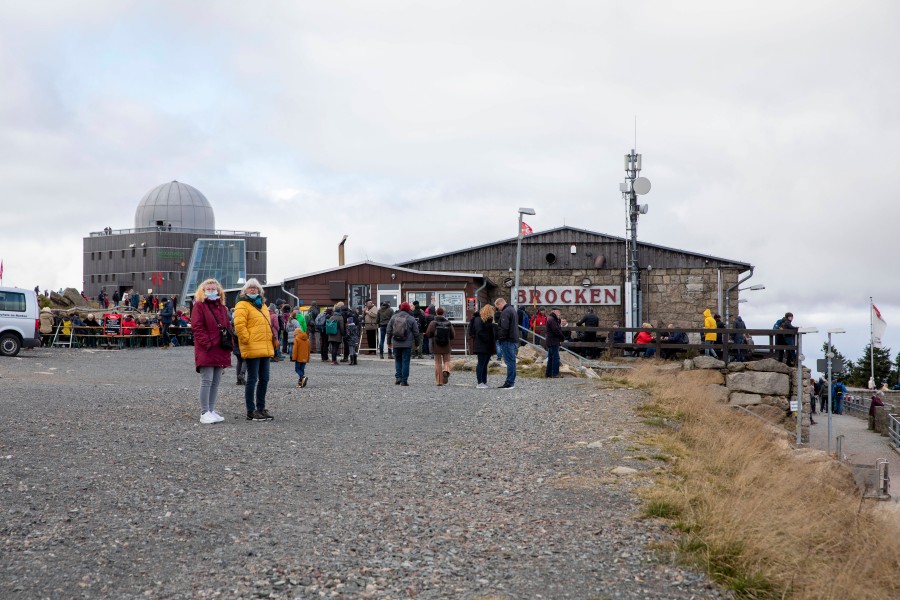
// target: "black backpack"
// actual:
[[442, 333]]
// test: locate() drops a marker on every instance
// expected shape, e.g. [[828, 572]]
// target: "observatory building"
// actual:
[[173, 246]]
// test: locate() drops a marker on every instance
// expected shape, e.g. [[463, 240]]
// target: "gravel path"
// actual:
[[110, 486]]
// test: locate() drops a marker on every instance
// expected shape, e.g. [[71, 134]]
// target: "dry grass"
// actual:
[[757, 519]]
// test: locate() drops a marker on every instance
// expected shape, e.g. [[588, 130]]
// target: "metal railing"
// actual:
[[167, 229], [524, 333], [894, 432], [856, 406]]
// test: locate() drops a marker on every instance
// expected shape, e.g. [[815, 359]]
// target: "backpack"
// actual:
[[442, 333], [399, 329], [777, 324], [320, 322], [331, 327]]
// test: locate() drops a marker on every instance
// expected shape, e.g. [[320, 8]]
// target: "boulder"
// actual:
[[719, 393], [699, 377], [74, 297], [708, 362], [59, 300], [771, 414], [743, 399], [688, 364], [779, 402], [773, 384], [770, 365], [736, 367]]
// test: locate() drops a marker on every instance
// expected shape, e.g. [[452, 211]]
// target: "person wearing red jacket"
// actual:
[[645, 338], [210, 358]]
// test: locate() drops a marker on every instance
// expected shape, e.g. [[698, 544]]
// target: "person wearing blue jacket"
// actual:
[[838, 391]]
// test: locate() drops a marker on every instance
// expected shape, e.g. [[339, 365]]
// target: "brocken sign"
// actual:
[[570, 295]]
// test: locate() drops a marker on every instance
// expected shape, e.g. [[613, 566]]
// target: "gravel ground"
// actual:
[[110, 486]]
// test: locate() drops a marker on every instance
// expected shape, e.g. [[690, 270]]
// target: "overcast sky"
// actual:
[[769, 131]]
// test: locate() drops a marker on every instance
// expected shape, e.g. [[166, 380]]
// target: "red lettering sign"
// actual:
[[550, 296], [610, 296], [595, 296], [562, 296], [579, 296]]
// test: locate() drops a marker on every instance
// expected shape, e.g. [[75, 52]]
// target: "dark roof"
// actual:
[[535, 237]]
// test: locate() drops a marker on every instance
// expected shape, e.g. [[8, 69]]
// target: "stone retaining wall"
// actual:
[[765, 387]]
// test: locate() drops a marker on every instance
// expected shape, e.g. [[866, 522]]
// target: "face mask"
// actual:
[[214, 295], [253, 296]]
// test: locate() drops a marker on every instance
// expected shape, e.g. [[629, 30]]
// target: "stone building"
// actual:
[[173, 247], [574, 269]]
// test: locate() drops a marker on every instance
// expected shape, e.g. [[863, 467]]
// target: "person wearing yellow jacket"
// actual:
[[710, 336], [256, 341]]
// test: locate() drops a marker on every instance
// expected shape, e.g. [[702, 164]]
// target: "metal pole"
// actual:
[[799, 384], [828, 355], [515, 299], [871, 344]]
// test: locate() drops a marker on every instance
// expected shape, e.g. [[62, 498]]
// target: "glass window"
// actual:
[[144, 253], [453, 303], [123, 254], [12, 301], [223, 260], [110, 253], [359, 295], [114, 276], [132, 253]]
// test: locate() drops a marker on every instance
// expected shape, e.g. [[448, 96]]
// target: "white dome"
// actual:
[[176, 204]]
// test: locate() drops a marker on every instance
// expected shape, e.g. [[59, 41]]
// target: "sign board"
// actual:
[[793, 406], [453, 304], [574, 295], [470, 304], [112, 324], [837, 366]]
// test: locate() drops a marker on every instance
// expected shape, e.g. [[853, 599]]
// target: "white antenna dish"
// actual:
[[641, 186]]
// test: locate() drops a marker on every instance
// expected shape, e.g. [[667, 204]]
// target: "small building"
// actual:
[[576, 269], [173, 247]]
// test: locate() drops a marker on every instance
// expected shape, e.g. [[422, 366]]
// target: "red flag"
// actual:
[[526, 229], [1, 268]]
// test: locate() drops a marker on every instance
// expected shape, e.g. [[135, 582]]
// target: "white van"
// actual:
[[20, 320]]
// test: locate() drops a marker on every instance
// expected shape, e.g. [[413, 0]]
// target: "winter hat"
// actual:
[[405, 307]]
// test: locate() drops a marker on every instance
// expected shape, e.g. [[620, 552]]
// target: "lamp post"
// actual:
[[515, 295], [829, 355], [800, 332], [753, 288]]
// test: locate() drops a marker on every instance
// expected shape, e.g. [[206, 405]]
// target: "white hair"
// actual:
[[252, 282]]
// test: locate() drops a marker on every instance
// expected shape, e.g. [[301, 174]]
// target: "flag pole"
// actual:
[[871, 344]]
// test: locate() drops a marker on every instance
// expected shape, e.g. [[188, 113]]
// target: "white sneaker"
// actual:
[[219, 418], [207, 418], [482, 386]]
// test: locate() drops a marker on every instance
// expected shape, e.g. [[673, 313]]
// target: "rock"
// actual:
[[59, 300], [701, 377], [742, 399], [719, 393], [772, 414], [708, 362], [736, 367], [774, 384], [769, 365], [597, 444], [688, 364], [779, 402], [72, 295], [623, 471]]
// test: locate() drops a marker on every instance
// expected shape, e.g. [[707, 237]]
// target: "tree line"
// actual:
[[858, 373]]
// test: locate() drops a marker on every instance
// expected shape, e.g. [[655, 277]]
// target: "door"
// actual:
[[389, 293]]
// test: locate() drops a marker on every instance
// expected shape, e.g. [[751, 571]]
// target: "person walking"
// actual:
[[335, 328], [709, 336], [257, 340], [352, 338], [417, 314], [440, 334], [275, 323], [300, 349], [738, 338], [166, 316], [209, 323], [481, 329], [554, 337], [320, 321], [385, 313], [508, 337], [402, 330]]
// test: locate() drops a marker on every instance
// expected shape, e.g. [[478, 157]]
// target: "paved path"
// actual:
[[110, 487], [860, 445]]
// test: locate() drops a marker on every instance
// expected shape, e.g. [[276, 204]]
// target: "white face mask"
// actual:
[[212, 295]]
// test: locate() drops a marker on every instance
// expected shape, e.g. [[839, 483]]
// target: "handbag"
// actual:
[[225, 340]]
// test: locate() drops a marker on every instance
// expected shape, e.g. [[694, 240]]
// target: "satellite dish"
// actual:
[[641, 185]]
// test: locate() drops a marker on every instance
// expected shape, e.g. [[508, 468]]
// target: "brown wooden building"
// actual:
[[458, 293]]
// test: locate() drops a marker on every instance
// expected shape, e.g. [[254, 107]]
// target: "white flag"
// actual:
[[878, 327]]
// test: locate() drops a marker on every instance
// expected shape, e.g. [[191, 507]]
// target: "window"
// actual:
[[359, 295], [12, 301], [181, 276], [92, 279], [110, 253], [106, 277], [256, 256], [114, 276], [143, 276], [453, 303], [144, 253], [123, 253], [92, 256], [132, 253]]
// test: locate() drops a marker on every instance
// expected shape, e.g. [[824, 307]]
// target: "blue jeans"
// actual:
[[649, 352], [552, 361], [481, 370], [401, 364], [382, 334], [300, 367], [710, 351], [258, 381], [508, 352]]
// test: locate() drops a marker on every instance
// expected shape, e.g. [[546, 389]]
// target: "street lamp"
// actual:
[[800, 332], [752, 288], [829, 355], [515, 298]]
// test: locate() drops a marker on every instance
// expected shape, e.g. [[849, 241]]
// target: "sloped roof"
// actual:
[[384, 266], [535, 237]]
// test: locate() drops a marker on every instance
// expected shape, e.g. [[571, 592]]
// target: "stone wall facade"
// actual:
[[677, 296]]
